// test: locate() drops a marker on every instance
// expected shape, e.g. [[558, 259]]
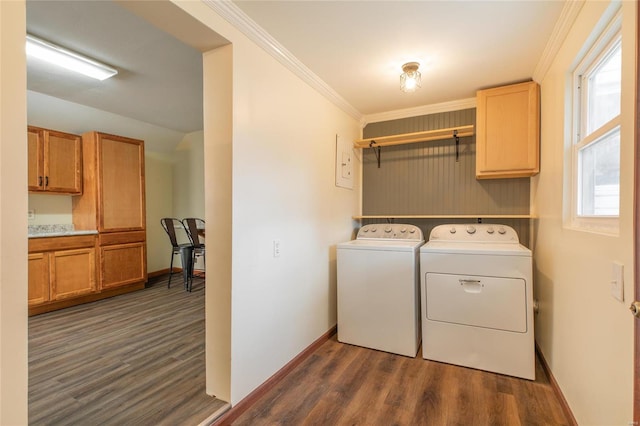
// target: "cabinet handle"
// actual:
[[39, 180], [46, 181]]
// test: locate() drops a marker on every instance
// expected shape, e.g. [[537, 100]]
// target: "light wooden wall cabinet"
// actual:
[[61, 268], [113, 202], [508, 131], [55, 161]]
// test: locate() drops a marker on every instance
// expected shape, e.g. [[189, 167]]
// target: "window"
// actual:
[[596, 142]]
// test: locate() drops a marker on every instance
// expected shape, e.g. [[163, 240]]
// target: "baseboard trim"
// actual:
[[161, 272], [237, 410], [556, 388]]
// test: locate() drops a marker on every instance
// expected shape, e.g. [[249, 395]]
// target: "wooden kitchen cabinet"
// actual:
[[55, 161], [113, 202], [61, 268], [38, 278], [123, 259], [508, 131], [72, 272], [114, 190]]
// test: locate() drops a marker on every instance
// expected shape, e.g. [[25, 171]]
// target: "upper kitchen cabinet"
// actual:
[[55, 161], [114, 188], [508, 131]]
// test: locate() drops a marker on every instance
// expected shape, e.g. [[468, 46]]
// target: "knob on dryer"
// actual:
[[387, 229], [452, 230], [471, 229]]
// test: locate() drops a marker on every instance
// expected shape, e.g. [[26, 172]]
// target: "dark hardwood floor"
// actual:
[[134, 359], [347, 385]]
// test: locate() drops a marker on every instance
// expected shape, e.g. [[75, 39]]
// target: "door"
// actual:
[[38, 278], [36, 166], [122, 264], [63, 162], [122, 191], [73, 273]]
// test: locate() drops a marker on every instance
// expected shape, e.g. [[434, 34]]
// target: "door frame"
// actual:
[[636, 230]]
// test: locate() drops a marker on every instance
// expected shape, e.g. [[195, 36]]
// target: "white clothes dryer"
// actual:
[[477, 299], [378, 288]]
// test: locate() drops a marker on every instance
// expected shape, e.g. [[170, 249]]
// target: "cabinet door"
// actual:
[[72, 273], [36, 167], [38, 278], [508, 131], [122, 190], [122, 264], [63, 162]]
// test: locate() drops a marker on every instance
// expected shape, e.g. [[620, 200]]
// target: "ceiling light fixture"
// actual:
[[67, 59], [410, 77]]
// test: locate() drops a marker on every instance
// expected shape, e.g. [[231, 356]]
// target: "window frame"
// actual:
[[598, 51]]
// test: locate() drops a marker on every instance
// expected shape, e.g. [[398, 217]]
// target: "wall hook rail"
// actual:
[[375, 151], [417, 137]]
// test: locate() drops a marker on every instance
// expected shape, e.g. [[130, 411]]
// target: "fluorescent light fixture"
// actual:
[[64, 58]]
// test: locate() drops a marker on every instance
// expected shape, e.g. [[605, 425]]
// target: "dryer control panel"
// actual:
[[394, 231], [474, 232]]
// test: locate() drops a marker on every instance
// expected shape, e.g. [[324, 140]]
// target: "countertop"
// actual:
[[41, 231]]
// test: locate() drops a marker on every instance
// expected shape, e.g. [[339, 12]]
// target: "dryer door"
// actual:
[[489, 302]]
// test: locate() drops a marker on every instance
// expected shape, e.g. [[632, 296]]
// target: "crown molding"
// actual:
[[568, 15], [421, 110], [241, 21]]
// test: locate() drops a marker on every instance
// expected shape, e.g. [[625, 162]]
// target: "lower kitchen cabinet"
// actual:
[[61, 268], [38, 278], [72, 272], [123, 259]]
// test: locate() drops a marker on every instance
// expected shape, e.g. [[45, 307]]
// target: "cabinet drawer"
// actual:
[[61, 243], [122, 238]]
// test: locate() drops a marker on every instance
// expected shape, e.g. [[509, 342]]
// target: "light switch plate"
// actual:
[[617, 281]]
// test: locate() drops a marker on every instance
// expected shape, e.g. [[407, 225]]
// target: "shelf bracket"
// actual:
[[457, 138], [375, 151]]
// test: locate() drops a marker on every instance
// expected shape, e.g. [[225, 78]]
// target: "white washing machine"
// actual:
[[379, 288], [477, 299]]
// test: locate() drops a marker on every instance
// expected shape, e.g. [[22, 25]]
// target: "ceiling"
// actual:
[[356, 47]]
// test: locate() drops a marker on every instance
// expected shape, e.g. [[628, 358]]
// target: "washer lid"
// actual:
[[381, 245], [453, 247]]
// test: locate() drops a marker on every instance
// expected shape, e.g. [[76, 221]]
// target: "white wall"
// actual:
[[13, 217], [188, 182], [283, 150], [159, 199], [586, 336]]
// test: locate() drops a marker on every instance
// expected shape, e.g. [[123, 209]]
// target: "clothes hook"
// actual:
[[376, 152], [455, 135]]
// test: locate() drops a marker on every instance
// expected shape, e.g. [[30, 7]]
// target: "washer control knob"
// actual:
[[502, 231], [365, 229], [452, 230], [374, 229], [403, 230], [471, 230], [412, 231], [490, 230], [387, 229]]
